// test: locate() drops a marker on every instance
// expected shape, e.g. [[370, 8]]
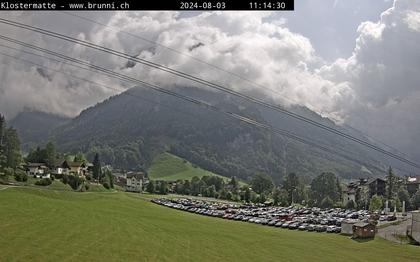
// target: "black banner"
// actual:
[[167, 5]]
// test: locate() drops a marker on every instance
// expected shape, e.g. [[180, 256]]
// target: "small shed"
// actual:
[[363, 230], [347, 227]]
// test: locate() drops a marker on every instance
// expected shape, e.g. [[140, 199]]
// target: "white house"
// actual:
[[349, 194], [36, 169], [134, 182]]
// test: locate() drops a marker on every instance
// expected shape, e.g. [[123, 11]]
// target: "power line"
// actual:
[[87, 80], [176, 51], [154, 43], [212, 85], [195, 101], [95, 83]]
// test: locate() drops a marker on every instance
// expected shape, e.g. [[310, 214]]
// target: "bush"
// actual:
[[351, 205], [65, 179], [21, 176], [326, 203], [58, 176], [106, 185], [87, 186], [74, 181], [9, 172], [43, 182]]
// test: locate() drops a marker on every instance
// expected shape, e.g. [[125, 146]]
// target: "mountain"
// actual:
[[130, 129], [35, 126]]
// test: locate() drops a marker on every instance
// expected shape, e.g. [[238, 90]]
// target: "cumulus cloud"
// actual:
[[376, 89], [243, 43], [383, 76]]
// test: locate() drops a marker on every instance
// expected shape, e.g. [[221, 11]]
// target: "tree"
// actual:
[[262, 182], [290, 184], [97, 169], [187, 187], [327, 202], [211, 191], [80, 157], [109, 178], [375, 203], [2, 131], [229, 195], [12, 148], [351, 204], [163, 188], [179, 187], [403, 195], [247, 195], [280, 197], [339, 190], [415, 200], [391, 184], [325, 185], [150, 187], [234, 183], [262, 198], [195, 186], [50, 154]]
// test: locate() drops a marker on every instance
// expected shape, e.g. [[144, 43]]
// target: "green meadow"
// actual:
[[51, 225]]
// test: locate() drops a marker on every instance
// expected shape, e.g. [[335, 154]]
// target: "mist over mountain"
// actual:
[[34, 126], [130, 129]]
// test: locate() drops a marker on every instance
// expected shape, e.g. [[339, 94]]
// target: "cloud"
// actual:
[[383, 76], [244, 43], [376, 89]]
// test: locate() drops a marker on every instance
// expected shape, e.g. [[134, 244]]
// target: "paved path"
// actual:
[[392, 232], [4, 187]]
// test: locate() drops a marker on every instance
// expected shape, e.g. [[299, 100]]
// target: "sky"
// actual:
[[355, 61]]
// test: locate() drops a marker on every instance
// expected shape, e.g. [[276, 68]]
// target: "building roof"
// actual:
[[73, 164], [137, 175], [42, 165], [371, 180], [413, 180], [361, 224]]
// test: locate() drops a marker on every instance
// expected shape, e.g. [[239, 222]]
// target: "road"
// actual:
[[393, 232]]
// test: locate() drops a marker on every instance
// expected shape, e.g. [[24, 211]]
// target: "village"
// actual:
[[355, 222]]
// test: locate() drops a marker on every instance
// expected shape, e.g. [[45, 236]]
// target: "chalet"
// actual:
[[134, 181], [350, 193], [58, 168], [377, 186], [36, 169], [364, 230], [358, 191], [75, 168], [413, 184]]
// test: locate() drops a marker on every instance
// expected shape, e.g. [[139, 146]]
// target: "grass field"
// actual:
[[47, 225], [170, 167]]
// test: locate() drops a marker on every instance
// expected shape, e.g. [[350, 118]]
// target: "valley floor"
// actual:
[[48, 225]]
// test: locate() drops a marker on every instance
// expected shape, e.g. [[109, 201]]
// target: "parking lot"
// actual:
[[293, 218]]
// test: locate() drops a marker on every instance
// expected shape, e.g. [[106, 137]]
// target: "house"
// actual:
[[364, 230], [358, 191], [36, 169], [347, 227], [75, 168], [413, 184], [350, 193], [377, 186], [134, 181]]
